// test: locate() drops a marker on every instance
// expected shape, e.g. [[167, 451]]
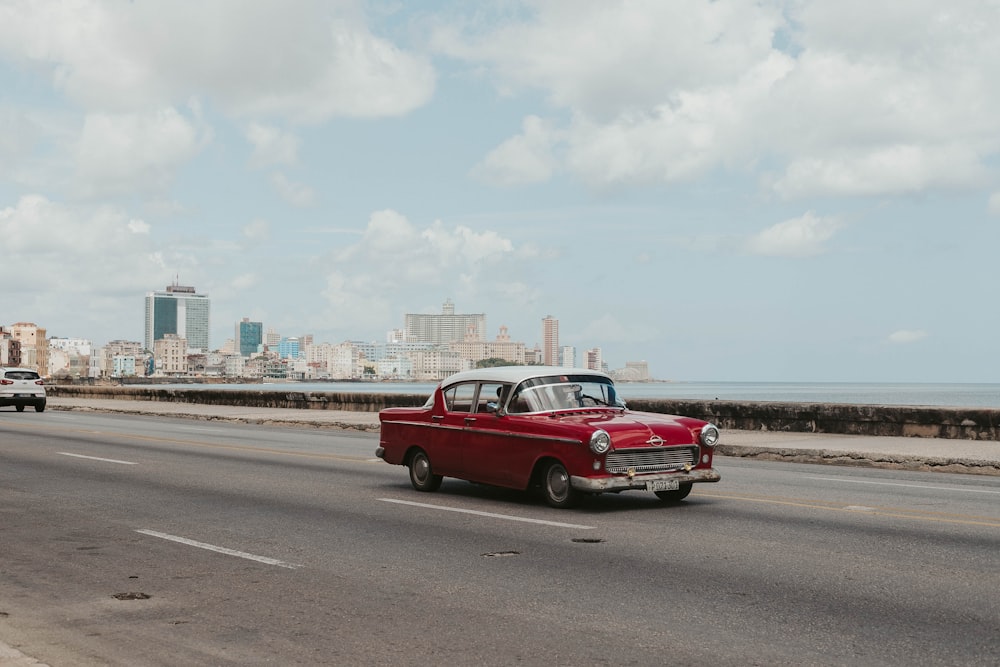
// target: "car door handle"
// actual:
[[437, 418], [470, 420]]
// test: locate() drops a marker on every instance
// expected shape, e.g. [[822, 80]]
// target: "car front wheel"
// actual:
[[422, 476], [556, 487], [674, 496]]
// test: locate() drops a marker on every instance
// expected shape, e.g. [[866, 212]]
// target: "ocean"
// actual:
[[865, 393]]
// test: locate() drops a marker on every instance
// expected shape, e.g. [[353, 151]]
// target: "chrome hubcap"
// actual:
[[558, 483], [421, 468]]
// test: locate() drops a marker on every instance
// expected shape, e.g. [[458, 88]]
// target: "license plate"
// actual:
[[22, 395], [663, 485]]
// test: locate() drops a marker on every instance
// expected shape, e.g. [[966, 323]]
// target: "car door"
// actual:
[[447, 454], [487, 450]]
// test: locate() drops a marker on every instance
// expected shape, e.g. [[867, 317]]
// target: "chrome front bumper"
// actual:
[[624, 482]]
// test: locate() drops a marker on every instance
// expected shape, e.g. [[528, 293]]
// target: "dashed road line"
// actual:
[[491, 515], [218, 549], [98, 458]]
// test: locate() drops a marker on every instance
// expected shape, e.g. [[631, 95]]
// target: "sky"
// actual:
[[729, 190]]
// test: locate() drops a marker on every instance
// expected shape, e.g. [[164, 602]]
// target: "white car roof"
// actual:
[[517, 374]]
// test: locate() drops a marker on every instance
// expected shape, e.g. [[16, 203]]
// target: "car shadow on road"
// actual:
[[605, 503]]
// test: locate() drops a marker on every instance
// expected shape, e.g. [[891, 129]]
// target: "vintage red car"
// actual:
[[561, 430]]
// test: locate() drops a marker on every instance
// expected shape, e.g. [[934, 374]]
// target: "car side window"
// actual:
[[491, 396], [459, 398]]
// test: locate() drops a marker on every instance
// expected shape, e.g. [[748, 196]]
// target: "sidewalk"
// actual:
[[924, 454]]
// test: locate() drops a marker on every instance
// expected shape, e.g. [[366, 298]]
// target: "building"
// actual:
[[10, 349], [448, 327], [170, 353], [33, 346], [638, 370], [550, 341], [288, 348], [478, 350], [179, 311], [593, 360], [69, 357], [567, 356], [119, 358], [249, 337]]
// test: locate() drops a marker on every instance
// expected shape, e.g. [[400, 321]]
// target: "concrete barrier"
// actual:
[[878, 420], [309, 400]]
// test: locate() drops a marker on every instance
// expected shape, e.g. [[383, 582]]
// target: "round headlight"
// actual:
[[600, 442], [710, 435]]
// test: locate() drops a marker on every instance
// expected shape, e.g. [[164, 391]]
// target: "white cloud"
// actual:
[[308, 60], [799, 237], [890, 170], [673, 91], [272, 146], [395, 261], [139, 226], [604, 59], [257, 231], [994, 204], [100, 249], [904, 336], [526, 158], [127, 153], [295, 194]]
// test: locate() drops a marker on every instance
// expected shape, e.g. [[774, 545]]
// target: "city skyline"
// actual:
[[176, 344], [732, 191]]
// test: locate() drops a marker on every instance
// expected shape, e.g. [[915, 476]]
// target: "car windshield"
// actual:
[[563, 393]]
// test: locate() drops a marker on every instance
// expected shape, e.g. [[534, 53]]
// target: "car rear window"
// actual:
[[21, 375]]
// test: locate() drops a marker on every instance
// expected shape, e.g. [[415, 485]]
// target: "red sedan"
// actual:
[[563, 431]]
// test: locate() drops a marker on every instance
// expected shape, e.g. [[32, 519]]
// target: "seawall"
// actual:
[[877, 420]]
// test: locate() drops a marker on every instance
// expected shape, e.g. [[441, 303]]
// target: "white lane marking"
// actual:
[[491, 515], [912, 486], [97, 458], [221, 550]]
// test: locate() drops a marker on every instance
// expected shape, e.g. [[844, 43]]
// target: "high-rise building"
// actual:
[[567, 356], [550, 341], [249, 336], [445, 328], [288, 348], [593, 359], [179, 311]]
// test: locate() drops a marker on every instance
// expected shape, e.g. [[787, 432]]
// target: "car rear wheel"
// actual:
[[19, 408], [556, 487], [40, 407], [422, 476], [674, 496]]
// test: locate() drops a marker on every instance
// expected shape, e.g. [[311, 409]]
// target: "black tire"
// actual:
[[674, 496], [19, 408], [556, 488], [40, 407], [422, 475]]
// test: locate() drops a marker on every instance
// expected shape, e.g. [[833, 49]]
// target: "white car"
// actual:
[[21, 387]]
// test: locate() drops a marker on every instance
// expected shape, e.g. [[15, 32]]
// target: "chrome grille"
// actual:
[[651, 460]]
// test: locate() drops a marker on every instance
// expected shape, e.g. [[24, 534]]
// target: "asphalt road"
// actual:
[[261, 545]]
